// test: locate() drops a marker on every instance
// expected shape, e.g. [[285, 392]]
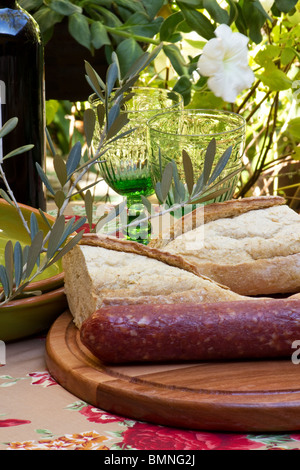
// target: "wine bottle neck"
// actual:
[[8, 4]]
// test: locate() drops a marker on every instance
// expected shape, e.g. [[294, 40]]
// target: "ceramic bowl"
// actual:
[[11, 228], [28, 316]]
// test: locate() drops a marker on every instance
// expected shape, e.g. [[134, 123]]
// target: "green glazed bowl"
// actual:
[[31, 315], [11, 228]]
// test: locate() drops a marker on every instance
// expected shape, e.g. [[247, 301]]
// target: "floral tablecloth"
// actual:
[[37, 413]]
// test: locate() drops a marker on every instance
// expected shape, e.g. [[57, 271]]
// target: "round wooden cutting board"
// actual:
[[240, 396]]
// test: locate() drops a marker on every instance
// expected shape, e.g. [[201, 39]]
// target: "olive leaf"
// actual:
[[50, 142], [60, 169], [209, 196], [118, 123], [226, 178], [112, 115], [20, 290], [209, 157], [119, 136], [101, 114], [146, 203], [72, 227], [209, 160], [4, 280], [112, 76], [158, 192], [220, 166], [18, 263], [5, 196], [85, 188], [166, 181], [8, 127], [88, 202], [188, 171], [34, 252], [94, 80], [25, 257], [9, 263], [179, 191], [45, 218], [115, 59], [55, 236], [44, 178], [73, 159], [60, 231], [126, 87], [89, 121], [34, 227], [18, 151], [93, 160], [59, 198], [141, 63]]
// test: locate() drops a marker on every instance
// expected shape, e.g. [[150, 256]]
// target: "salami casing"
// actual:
[[187, 332]]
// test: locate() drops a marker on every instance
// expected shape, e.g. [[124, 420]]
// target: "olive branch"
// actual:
[[23, 264], [173, 194]]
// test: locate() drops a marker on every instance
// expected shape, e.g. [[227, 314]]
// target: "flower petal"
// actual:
[[225, 61], [228, 85], [207, 66], [211, 59], [214, 49]]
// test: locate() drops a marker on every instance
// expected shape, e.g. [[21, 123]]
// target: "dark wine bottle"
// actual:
[[22, 96]]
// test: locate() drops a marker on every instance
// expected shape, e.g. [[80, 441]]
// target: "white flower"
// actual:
[[224, 60], [267, 4]]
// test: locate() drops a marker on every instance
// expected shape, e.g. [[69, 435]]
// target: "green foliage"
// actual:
[[128, 26], [184, 26], [122, 26]]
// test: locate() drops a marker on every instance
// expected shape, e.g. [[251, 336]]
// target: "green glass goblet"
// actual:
[[192, 130], [126, 167]]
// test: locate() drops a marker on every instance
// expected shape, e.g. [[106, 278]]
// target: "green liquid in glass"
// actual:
[[134, 186]]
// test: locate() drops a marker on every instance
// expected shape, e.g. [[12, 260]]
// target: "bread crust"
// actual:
[[263, 266], [260, 277], [214, 211]]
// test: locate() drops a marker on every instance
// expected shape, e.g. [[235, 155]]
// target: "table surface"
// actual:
[[38, 413]]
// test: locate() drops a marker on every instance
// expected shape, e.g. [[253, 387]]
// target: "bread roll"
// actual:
[[102, 271], [251, 245]]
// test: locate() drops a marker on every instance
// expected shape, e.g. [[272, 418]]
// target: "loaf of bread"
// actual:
[[104, 271], [251, 245]]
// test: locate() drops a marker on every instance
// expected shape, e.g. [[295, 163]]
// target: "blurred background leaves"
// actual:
[[271, 106]]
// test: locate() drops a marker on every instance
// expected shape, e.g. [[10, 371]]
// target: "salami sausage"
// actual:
[[187, 332]]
